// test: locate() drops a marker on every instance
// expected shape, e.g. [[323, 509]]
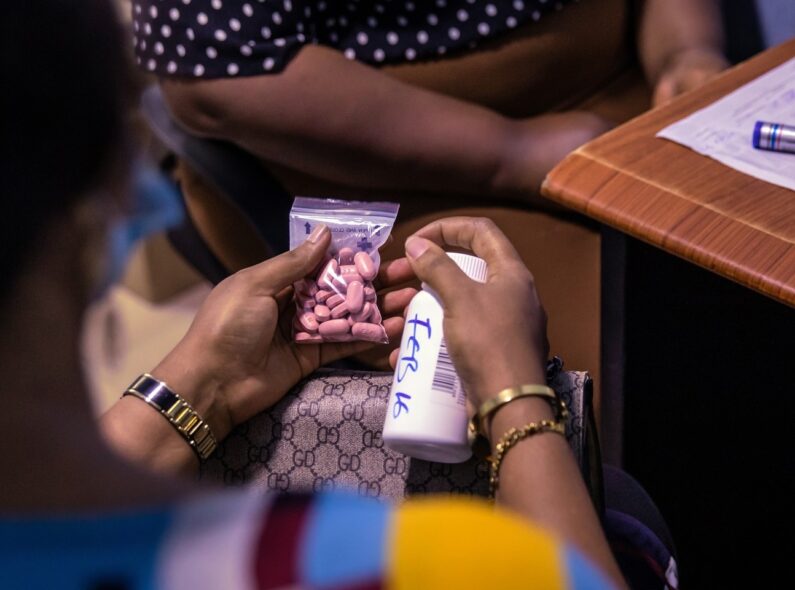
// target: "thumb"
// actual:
[[433, 266], [281, 271]]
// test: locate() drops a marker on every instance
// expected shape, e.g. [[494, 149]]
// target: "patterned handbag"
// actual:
[[326, 434]]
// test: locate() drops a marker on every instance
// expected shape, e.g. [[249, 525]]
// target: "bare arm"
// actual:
[[352, 125], [681, 44], [238, 357], [503, 321]]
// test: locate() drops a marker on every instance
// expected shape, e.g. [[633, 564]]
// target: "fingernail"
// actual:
[[416, 247], [317, 233]]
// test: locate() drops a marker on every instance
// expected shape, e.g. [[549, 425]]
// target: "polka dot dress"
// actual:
[[225, 38]]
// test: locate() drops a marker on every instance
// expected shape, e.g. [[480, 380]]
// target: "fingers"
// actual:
[[434, 267], [395, 302], [666, 89], [478, 234], [275, 274], [395, 272]]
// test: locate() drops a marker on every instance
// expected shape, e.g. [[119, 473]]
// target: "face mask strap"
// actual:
[[155, 207]]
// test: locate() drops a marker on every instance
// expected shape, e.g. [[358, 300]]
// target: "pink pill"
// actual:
[[365, 265], [305, 337], [322, 295], [354, 299], [334, 300], [306, 287], [364, 314], [307, 303], [308, 320], [322, 313], [339, 311], [346, 256], [369, 332], [343, 281], [347, 274], [327, 275], [334, 327], [369, 294]]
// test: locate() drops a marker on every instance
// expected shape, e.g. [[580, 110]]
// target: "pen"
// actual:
[[774, 137]]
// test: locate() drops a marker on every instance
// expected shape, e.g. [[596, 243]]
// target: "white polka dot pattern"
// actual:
[[223, 38]]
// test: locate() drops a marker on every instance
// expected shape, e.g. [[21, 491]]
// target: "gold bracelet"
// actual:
[[509, 440], [187, 421], [513, 393]]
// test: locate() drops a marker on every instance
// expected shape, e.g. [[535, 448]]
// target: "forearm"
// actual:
[[668, 28], [349, 124], [140, 433], [540, 480]]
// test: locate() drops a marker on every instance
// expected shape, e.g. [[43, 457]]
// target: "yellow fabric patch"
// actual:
[[461, 544]]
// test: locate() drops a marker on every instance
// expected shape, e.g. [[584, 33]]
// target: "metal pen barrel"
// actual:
[[774, 137]]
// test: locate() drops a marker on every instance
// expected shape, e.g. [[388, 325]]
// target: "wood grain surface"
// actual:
[[688, 204]]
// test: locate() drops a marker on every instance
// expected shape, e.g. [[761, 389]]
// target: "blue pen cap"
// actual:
[[757, 134]]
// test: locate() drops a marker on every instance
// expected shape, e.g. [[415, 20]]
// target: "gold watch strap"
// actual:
[[177, 411]]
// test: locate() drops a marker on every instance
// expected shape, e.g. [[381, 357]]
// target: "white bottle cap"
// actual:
[[475, 268]]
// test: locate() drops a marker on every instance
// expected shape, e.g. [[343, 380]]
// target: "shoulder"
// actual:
[[469, 544], [339, 539]]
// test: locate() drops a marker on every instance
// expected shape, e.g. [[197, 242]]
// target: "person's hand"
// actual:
[[238, 357], [540, 143], [495, 331], [685, 71]]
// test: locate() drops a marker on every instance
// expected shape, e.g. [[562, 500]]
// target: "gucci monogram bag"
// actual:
[[326, 434]]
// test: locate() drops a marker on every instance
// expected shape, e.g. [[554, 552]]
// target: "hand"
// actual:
[[686, 70], [238, 357], [495, 331], [540, 143]]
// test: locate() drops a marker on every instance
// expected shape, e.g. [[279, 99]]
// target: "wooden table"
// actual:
[[690, 205]]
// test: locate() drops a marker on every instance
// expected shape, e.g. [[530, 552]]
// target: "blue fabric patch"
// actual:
[[582, 575], [345, 541], [79, 553]]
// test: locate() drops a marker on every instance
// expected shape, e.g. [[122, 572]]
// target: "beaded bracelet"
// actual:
[[509, 440]]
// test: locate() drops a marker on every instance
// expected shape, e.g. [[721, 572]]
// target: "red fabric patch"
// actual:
[[279, 545]]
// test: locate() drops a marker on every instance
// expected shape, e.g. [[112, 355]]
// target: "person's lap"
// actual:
[[324, 125]]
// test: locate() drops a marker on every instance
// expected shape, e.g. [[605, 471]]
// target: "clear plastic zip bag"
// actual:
[[338, 302]]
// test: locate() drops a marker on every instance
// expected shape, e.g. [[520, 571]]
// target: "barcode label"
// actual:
[[445, 378]]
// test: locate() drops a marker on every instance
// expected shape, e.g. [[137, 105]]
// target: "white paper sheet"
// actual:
[[724, 130]]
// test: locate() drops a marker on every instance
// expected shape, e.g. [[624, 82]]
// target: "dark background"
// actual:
[[709, 416]]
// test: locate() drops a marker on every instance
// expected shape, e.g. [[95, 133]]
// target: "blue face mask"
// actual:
[[156, 207]]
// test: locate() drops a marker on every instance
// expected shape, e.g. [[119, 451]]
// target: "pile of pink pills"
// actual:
[[339, 304]]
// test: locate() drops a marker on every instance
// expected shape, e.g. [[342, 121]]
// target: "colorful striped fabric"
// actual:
[[246, 541]]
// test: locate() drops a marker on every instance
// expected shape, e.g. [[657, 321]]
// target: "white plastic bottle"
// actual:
[[426, 417]]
